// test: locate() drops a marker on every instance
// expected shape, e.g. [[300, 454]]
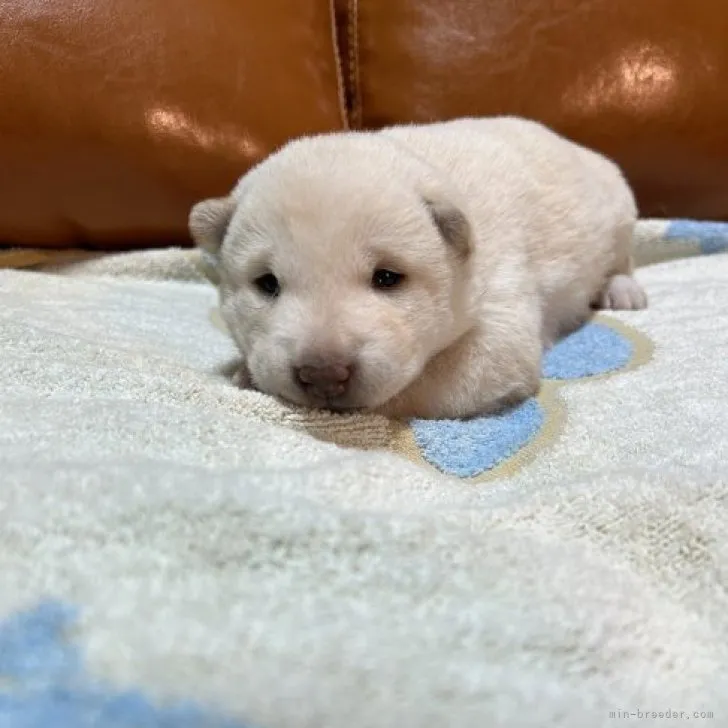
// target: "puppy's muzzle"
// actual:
[[324, 380]]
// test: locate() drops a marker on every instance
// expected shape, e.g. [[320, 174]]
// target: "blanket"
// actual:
[[177, 552]]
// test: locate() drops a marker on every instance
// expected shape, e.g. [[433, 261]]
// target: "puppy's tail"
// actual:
[[657, 241]]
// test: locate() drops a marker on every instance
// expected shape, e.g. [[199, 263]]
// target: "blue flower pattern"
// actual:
[[468, 448], [43, 683]]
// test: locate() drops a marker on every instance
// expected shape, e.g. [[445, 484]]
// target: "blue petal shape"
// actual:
[[593, 349], [43, 683], [31, 647], [467, 448], [711, 236]]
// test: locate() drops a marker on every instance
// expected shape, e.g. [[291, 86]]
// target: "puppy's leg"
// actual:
[[237, 373], [622, 292], [489, 369], [241, 377]]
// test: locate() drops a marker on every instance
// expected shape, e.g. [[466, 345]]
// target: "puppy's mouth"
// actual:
[[357, 393], [361, 395], [353, 399]]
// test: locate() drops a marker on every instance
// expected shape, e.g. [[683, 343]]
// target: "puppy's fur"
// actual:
[[507, 236]]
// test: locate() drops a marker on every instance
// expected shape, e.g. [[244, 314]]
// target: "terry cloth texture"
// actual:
[[175, 552]]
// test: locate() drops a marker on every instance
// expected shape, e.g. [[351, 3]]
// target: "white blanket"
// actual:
[[173, 549]]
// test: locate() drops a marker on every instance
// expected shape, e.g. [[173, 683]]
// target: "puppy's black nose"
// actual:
[[324, 380]]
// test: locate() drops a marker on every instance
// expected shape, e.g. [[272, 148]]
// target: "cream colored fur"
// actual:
[[507, 235]]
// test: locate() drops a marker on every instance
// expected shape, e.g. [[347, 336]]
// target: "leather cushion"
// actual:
[[643, 82], [117, 115]]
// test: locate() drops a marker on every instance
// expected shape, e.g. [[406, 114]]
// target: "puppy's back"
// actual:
[[566, 207], [524, 163]]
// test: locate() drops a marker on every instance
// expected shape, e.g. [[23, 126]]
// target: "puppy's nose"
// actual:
[[324, 380]]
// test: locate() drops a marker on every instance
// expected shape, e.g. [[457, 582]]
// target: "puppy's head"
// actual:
[[342, 267]]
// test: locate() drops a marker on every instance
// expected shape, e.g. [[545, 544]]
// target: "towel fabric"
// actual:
[[176, 552]]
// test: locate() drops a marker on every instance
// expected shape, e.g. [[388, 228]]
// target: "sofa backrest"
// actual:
[[117, 115], [645, 82]]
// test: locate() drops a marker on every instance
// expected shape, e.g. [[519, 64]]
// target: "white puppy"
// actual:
[[417, 271]]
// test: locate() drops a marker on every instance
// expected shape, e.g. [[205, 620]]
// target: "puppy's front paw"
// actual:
[[241, 377], [623, 293]]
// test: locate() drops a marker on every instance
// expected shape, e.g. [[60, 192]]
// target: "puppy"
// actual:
[[417, 271]]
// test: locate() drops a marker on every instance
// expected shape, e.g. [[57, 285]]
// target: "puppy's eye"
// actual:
[[268, 285], [383, 278]]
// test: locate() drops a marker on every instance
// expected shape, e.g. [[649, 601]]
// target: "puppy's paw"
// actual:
[[241, 377], [623, 293]]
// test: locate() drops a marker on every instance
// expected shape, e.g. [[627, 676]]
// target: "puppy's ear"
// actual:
[[209, 221], [452, 224]]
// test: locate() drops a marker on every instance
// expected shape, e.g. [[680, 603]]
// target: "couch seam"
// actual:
[[340, 82], [352, 24]]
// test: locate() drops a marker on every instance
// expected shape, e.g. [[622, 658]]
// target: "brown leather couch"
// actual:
[[116, 115]]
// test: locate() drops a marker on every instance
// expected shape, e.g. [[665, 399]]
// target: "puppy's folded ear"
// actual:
[[208, 222], [452, 224]]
